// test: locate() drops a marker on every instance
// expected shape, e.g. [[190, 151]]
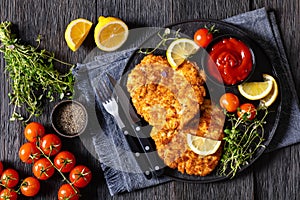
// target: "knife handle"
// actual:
[[140, 158], [144, 151], [149, 147]]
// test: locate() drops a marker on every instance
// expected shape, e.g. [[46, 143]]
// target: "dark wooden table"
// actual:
[[273, 176]]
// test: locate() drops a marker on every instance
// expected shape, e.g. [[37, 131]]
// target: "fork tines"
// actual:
[[104, 92]]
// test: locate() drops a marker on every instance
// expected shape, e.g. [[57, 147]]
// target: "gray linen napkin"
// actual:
[[108, 141]]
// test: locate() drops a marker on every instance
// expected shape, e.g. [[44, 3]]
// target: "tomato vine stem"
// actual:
[[59, 171]]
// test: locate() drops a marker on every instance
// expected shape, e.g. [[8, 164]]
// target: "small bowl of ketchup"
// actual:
[[230, 60]]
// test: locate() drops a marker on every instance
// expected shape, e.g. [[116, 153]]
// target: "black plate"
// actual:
[[263, 65]]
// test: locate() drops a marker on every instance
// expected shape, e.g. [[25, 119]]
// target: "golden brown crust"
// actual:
[[172, 101], [164, 97], [172, 146], [210, 124]]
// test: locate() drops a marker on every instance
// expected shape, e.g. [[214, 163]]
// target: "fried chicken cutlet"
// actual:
[[172, 145], [172, 101], [164, 97]]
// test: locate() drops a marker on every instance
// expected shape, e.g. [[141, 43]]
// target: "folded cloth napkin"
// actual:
[[108, 141]]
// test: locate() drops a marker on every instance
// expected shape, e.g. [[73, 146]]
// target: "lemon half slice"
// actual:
[[202, 146], [76, 32], [110, 33], [271, 97], [179, 50], [256, 90]]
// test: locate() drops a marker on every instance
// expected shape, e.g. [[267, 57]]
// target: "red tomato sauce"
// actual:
[[231, 61]]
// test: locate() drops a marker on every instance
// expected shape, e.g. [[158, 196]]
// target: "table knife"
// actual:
[[138, 137]]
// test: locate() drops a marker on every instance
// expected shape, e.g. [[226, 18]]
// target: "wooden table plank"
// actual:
[[137, 13], [207, 9], [50, 20], [277, 173], [278, 179]]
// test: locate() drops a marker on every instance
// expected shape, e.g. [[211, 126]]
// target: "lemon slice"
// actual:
[[202, 146], [271, 97], [179, 50], [256, 90], [76, 32], [110, 33]]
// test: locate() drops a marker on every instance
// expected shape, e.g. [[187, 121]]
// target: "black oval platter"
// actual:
[[263, 65]]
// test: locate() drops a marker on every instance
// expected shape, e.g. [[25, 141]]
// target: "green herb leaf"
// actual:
[[242, 140], [32, 73]]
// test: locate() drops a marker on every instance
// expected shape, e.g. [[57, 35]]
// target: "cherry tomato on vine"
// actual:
[[66, 192], [8, 194], [30, 187], [247, 111], [80, 176], [50, 144], [42, 169], [10, 178], [33, 131], [230, 102], [28, 153], [1, 168], [65, 161], [204, 36]]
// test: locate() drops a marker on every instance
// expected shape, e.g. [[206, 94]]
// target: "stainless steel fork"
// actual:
[[109, 102]]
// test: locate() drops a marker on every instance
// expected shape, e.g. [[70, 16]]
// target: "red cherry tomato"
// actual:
[[42, 169], [10, 178], [33, 131], [30, 187], [203, 37], [230, 102], [65, 161], [247, 111], [28, 153], [67, 192], [50, 144], [8, 194], [80, 176], [1, 168]]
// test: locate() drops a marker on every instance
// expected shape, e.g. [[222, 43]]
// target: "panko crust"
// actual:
[[172, 145], [173, 102], [164, 97]]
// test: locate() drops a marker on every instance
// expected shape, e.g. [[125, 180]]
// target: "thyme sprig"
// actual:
[[32, 74], [164, 38], [242, 140]]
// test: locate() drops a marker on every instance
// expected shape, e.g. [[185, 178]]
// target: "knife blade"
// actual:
[[147, 146]]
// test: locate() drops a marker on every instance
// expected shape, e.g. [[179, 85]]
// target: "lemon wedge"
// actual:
[[110, 33], [179, 50], [271, 97], [202, 146], [256, 90], [76, 32]]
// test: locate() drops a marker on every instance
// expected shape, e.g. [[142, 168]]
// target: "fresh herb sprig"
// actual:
[[164, 38], [32, 74], [242, 140]]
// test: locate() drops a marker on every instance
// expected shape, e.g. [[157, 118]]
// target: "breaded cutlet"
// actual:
[[172, 101], [172, 145], [164, 97]]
